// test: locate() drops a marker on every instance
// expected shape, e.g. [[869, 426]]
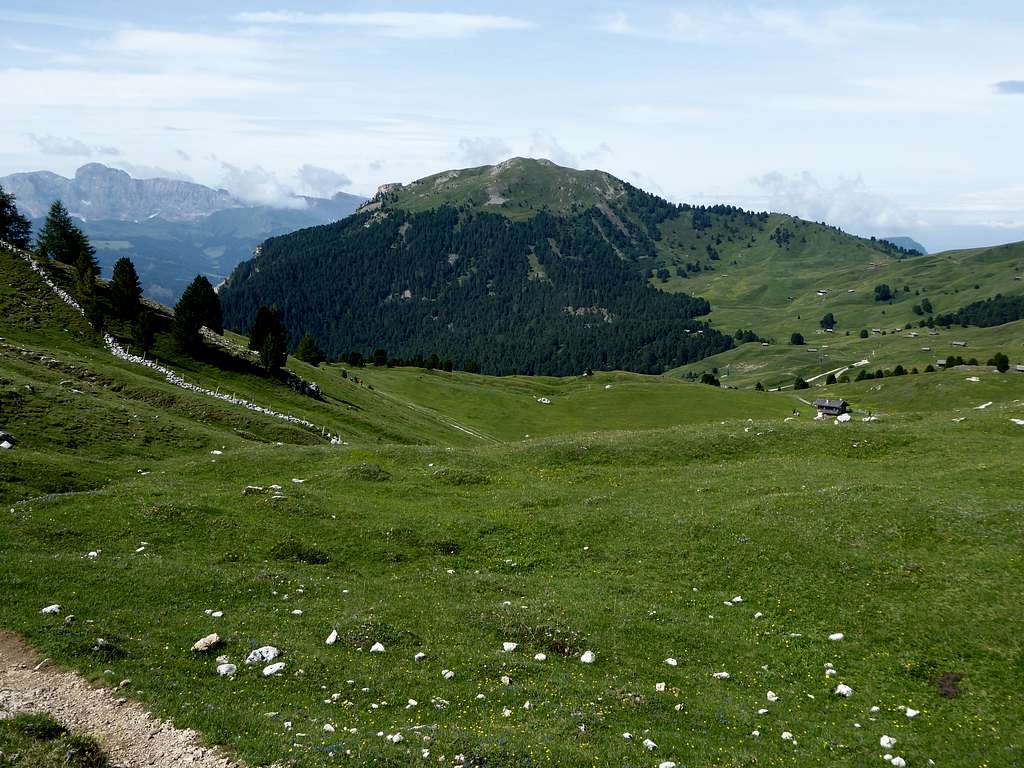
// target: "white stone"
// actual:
[[411, 703], [217, 614], [912, 712], [226, 669], [273, 669], [540, 657], [377, 648], [509, 647], [206, 643], [899, 762], [737, 599], [332, 638], [587, 657], [262, 654], [758, 615], [93, 554], [874, 710], [659, 687], [844, 690], [721, 675], [506, 712], [886, 742], [396, 738], [447, 674], [328, 728], [671, 662], [527, 706], [762, 711], [667, 764], [773, 696], [830, 673], [836, 636], [506, 680], [51, 609], [419, 656], [297, 612], [755, 734], [649, 745], [627, 736], [787, 736]]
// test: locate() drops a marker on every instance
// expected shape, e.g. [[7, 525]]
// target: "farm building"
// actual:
[[940, 363], [1019, 368], [831, 407], [959, 343]]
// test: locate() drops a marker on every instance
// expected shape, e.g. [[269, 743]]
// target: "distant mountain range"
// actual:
[[171, 229]]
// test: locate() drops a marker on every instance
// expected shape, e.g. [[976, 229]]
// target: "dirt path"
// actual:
[[131, 737]]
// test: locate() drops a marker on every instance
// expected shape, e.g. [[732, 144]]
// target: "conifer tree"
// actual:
[[125, 290], [308, 351], [14, 228], [57, 239], [197, 307]]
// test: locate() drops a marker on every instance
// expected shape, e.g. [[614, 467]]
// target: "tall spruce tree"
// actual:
[[308, 351], [197, 307], [125, 290], [59, 239], [269, 339], [14, 228]]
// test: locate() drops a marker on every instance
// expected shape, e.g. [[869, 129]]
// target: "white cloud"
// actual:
[[321, 182], [143, 171], [483, 150], [698, 24], [409, 25], [61, 145], [849, 204], [259, 186]]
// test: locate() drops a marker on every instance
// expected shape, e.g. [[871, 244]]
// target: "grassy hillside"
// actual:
[[623, 544], [440, 529]]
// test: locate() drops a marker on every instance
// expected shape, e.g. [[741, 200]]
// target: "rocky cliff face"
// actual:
[[99, 192]]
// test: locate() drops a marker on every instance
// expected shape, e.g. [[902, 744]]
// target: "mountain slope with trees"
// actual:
[[520, 267]]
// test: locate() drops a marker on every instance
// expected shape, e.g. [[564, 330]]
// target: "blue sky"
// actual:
[[882, 118]]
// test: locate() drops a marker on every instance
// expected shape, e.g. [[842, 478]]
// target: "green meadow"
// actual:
[[624, 518]]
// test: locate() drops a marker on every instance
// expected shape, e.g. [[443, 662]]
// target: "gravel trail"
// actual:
[[131, 737]]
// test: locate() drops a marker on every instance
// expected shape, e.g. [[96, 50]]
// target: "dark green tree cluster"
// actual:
[[198, 307], [15, 228], [828, 322], [924, 308], [796, 339], [456, 284], [1000, 361], [883, 292], [125, 289], [986, 313]]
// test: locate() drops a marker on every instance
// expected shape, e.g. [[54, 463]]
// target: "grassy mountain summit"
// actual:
[[518, 188]]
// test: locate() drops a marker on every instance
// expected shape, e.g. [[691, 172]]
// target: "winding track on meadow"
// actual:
[[130, 736]]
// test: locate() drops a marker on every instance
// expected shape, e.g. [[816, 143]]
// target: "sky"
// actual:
[[884, 118]]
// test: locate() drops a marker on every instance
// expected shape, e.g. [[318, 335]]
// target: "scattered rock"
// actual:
[[377, 648], [226, 669], [332, 638], [671, 662], [721, 675], [773, 696], [844, 690], [912, 712], [587, 657], [887, 742], [540, 657], [273, 669], [649, 745], [51, 609], [509, 647], [836, 636], [447, 674], [262, 654], [206, 643], [419, 656]]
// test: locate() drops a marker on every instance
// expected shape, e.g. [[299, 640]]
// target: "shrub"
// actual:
[[800, 384], [297, 551], [863, 333], [796, 339]]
